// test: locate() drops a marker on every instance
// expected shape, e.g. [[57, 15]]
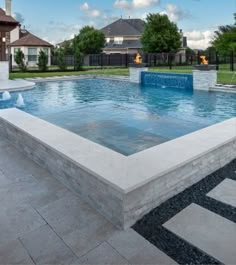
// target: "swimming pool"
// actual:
[[125, 117]]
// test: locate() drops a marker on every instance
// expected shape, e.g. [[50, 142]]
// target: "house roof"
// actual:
[[126, 44], [7, 23], [124, 27], [5, 18], [31, 40]]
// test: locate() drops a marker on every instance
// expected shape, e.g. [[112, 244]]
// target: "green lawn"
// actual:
[[224, 77]]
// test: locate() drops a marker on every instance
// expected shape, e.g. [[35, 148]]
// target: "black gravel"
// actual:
[[150, 226]]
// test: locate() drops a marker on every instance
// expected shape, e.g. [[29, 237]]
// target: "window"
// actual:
[[118, 40], [32, 54]]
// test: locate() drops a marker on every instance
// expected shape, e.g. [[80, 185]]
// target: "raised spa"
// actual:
[[122, 116]]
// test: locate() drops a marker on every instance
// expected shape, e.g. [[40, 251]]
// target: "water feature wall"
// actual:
[[181, 81]]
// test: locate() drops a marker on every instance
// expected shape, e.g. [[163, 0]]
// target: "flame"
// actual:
[[203, 59], [138, 59]]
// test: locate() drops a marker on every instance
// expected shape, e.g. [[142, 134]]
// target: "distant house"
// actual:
[[123, 36], [14, 38], [30, 44]]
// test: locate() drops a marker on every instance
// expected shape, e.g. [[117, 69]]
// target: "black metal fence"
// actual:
[[171, 60]]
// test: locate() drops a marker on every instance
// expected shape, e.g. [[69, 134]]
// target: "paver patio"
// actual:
[[42, 222]]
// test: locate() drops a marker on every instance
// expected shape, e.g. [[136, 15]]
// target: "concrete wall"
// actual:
[[141, 201], [4, 70], [204, 80], [135, 74]]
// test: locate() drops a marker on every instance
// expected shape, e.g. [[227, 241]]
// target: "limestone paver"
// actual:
[[128, 243], [42, 222], [45, 247], [225, 192], [14, 253], [151, 255], [83, 240], [103, 254], [206, 230], [16, 220], [68, 213]]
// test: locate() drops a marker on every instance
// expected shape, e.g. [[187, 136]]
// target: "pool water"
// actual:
[[125, 117]]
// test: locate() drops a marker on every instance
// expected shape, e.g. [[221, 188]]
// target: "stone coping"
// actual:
[[15, 85], [79, 77], [124, 173]]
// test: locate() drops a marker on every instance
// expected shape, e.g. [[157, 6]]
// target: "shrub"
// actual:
[[20, 60], [43, 61]]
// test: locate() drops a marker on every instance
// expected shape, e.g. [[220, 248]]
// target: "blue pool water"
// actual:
[[122, 116]]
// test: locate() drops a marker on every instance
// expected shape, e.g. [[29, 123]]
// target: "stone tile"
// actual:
[[47, 197], [17, 220], [4, 180], [67, 214], [225, 192], [45, 247], [14, 253], [83, 240], [128, 243], [151, 255], [206, 230], [20, 192], [103, 254]]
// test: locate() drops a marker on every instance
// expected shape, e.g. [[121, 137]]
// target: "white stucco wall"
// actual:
[[25, 51], [15, 34], [4, 70]]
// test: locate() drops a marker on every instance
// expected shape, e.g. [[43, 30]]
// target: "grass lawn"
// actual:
[[224, 77]]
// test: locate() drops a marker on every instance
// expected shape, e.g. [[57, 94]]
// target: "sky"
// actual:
[[58, 20]]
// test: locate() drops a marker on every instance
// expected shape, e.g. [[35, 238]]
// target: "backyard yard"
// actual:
[[224, 76]]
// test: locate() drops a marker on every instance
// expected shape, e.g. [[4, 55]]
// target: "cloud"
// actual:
[[135, 4], [84, 7], [199, 39], [175, 13], [122, 4], [19, 17], [90, 12], [144, 4]]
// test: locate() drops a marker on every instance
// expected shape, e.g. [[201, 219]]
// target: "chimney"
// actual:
[[8, 7]]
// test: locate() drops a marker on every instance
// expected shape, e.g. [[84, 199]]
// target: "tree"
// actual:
[[160, 34], [89, 40], [77, 57], [43, 61], [20, 60], [67, 47], [224, 39], [61, 59]]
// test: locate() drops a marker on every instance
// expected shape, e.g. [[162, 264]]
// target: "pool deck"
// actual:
[[16, 85], [42, 222]]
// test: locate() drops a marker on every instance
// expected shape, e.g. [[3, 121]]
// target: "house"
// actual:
[[123, 36], [30, 44], [7, 24], [14, 38]]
